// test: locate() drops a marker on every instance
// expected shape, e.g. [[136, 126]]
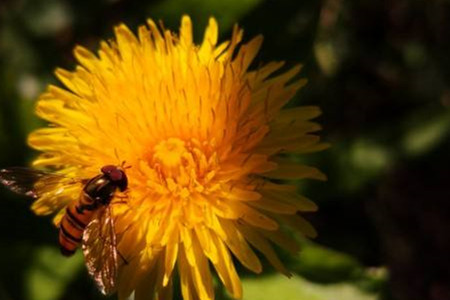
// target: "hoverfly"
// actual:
[[87, 221]]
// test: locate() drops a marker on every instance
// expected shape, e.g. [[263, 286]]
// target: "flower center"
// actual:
[[184, 167], [169, 153]]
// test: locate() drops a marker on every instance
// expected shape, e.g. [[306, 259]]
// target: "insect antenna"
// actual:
[[123, 165]]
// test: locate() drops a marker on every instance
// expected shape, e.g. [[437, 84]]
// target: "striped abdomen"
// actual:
[[77, 217], [96, 194]]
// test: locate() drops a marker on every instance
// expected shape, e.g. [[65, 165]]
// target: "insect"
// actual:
[[87, 221]]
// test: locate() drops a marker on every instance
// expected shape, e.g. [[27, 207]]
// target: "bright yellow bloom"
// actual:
[[202, 134]]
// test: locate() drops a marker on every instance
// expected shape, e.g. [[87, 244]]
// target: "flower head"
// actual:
[[202, 134]]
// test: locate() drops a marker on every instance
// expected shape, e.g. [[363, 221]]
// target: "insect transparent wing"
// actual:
[[27, 181], [100, 251]]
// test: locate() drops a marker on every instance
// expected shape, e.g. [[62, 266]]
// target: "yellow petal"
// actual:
[[238, 245], [262, 245], [282, 240], [300, 202], [86, 58], [204, 238], [295, 171], [248, 52], [274, 206], [132, 274], [201, 275], [300, 224], [253, 216], [170, 256], [186, 31], [301, 113], [187, 286], [226, 271], [209, 40]]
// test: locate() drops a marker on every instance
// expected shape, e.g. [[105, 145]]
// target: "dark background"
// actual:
[[380, 70]]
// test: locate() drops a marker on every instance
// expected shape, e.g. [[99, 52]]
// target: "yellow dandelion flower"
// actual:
[[202, 134]]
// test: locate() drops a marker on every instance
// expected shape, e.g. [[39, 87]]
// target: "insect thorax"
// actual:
[[100, 190]]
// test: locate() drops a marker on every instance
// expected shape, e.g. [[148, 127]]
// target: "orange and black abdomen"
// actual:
[[73, 224]]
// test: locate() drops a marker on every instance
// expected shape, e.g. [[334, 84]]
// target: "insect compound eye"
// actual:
[[108, 169], [116, 175], [122, 181]]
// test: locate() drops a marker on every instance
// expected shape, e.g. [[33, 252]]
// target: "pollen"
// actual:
[[209, 147], [183, 168]]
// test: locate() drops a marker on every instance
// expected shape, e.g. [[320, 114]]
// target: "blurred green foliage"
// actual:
[[50, 273], [380, 71], [279, 287]]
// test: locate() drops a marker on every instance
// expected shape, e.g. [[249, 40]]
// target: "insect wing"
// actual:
[[26, 181], [100, 251]]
